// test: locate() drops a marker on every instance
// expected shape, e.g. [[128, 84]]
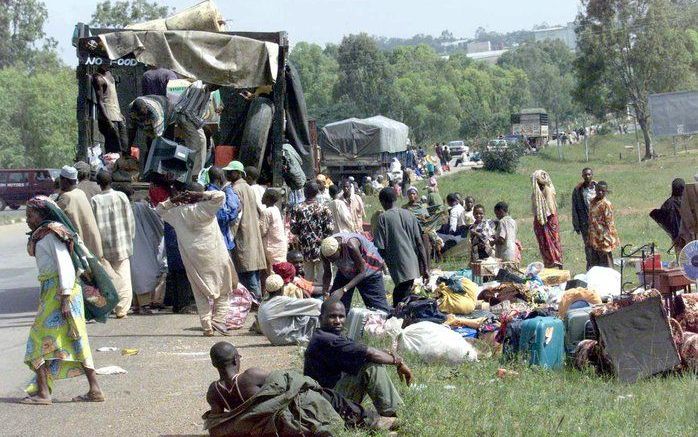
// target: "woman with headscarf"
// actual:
[[545, 223], [57, 346]]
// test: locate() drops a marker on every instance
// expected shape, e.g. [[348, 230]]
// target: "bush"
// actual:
[[504, 159]]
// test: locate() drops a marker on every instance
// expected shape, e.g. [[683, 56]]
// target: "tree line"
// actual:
[[627, 49]]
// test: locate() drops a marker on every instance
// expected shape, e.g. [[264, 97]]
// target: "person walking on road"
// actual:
[[114, 218], [582, 195], [58, 346]]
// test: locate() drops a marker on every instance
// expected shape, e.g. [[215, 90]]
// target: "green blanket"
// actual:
[[288, 404]]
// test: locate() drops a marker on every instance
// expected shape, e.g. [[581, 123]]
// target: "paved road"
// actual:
[[164, 391]]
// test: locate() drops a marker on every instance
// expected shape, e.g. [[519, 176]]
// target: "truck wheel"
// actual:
[[3, 204], [256, 132], [14, 207]]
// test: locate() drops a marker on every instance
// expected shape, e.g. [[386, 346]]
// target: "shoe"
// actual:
[[208, 333], [385, 423]]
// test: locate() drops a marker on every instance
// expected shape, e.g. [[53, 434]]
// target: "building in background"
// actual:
[[563, 33]]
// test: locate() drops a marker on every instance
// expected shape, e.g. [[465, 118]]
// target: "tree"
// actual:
[[21, 27], [318, 73], [37, 117], [122, 13], [627, 50], [364, 75]]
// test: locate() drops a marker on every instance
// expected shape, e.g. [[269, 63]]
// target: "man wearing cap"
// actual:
[[90, 188], [286, 320], [114, 217], [76, 206], [249, 254]]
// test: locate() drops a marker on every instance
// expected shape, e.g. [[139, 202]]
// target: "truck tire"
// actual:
[[254, 138], [3, 204]]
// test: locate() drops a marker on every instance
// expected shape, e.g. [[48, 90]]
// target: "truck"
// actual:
[[288, 124], [532, 125], [362, 147]]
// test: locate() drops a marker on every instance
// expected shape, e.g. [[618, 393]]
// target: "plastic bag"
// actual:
[[240, 301], [435, 343], [604, 280]]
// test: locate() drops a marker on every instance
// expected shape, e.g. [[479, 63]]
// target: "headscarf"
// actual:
[[55, 221], [329, 246], [544, 203], [285, 270]]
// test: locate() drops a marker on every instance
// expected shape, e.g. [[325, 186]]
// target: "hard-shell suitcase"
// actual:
[[575, 327], [543, 339], [356, 320]]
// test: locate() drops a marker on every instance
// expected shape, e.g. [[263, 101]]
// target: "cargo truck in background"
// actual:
[[531, 124]]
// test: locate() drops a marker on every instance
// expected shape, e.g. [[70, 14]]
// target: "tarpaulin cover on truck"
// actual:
[[216, 58], [353, 137]]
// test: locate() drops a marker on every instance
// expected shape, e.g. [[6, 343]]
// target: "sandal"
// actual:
[[34, 400], [221, 329], [89, 398]]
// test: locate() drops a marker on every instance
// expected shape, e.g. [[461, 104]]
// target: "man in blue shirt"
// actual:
[[228, 214]]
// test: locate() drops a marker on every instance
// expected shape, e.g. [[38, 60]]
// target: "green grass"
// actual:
[[568, 402], [636, 188]]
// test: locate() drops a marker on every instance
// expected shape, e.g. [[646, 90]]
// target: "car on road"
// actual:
[[19, 185], [457, 148]]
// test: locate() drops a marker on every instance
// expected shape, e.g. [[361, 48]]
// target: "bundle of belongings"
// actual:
[[635, 338]]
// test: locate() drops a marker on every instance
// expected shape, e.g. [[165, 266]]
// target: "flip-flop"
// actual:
[[33, 400], [89, 398], [221, 330]]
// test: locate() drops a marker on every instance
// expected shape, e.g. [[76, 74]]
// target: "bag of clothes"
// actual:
[[435, 343], [416, 309], [458, 295]]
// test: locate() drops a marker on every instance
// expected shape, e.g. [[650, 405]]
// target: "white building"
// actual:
[[563, 33]]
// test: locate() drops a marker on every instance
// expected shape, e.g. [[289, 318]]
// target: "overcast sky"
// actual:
[[323, 21]]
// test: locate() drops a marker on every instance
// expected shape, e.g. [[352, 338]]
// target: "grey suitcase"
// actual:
[[575, 327], [356, 319]]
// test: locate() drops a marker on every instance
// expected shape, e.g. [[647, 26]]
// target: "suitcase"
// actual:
[[634, 334], [575, 327], [356, 320], [543, 339]]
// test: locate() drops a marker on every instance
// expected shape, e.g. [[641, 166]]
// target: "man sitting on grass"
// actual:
[[257, 402], [352, 369]]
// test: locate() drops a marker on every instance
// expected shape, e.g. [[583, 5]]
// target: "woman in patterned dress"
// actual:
[[57, 346]]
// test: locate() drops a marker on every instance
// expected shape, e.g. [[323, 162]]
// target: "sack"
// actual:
[[543, 340], [503, 292], [604, 280], [506, 275], [634, 334], [689, 351], [416, 309], [458, 302], [240, 301], [554, 276], [435, 343], [98, 292], [575, 327]]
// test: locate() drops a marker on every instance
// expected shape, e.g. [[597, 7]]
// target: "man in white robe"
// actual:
[[206, 260]]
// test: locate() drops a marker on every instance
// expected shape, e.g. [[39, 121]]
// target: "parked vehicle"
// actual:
[[532, 124], [19, 185], [457, 148]]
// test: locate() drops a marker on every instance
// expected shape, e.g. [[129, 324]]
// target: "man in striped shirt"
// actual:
[[117, 227]]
